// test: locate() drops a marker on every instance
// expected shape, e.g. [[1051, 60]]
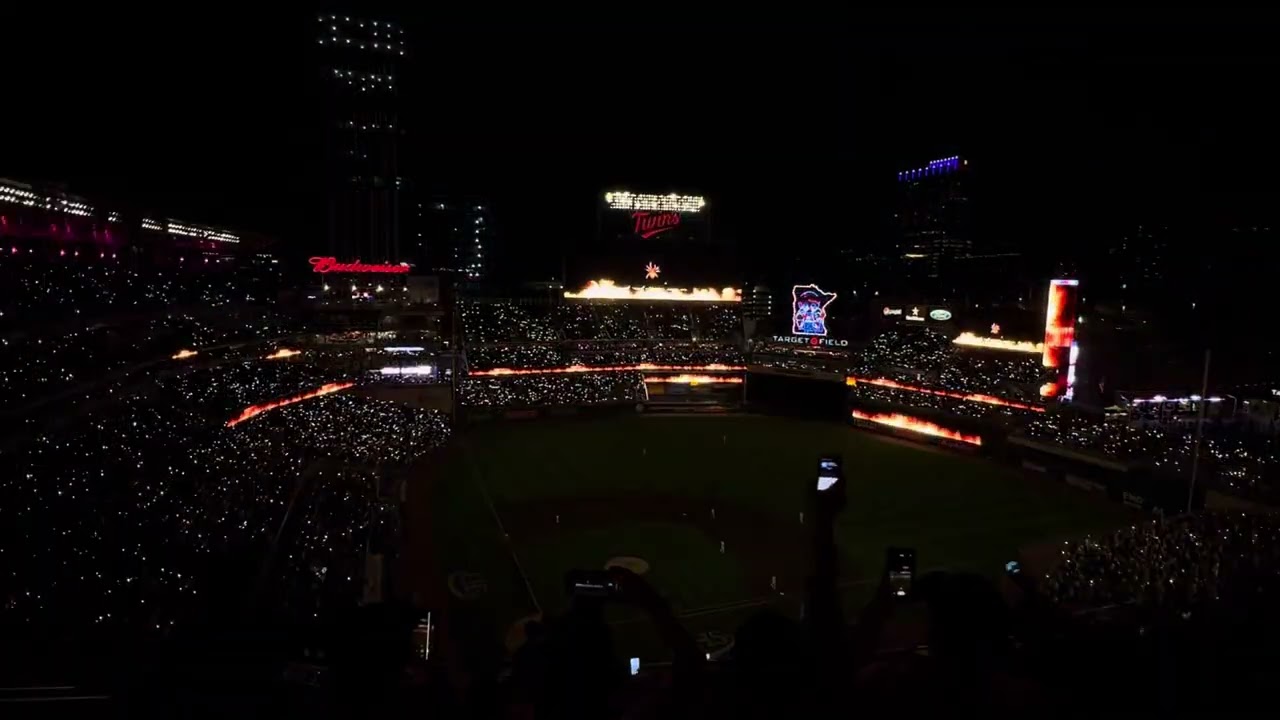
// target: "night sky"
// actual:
[[792, 128]]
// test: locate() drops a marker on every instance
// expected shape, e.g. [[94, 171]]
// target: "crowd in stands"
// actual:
[[951, 406], [505, 322], [907, 354], [529, 356], [978, 372], [152, 512], [84, 314], [1235, 462], [533, 391], [36, 364], [957, 643], [537, 337], [226, 389], [1178, 564], [97, 283], [926, 358]]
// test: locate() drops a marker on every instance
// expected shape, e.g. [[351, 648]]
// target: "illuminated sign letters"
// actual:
[[809, 310], [892, 311], [810, 341], [648, 224], [331, 264], [940, 315]]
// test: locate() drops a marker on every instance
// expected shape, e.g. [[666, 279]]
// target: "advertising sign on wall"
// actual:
[[809, 310]]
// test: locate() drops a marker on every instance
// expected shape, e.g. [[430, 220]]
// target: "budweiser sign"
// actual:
[[649, 224], [330, 264]]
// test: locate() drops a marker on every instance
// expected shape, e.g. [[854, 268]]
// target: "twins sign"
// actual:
[[809, 310]]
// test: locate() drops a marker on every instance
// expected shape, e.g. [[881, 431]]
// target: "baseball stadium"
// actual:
[[460, 463]]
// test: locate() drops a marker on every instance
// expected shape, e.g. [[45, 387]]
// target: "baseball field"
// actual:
[[710, 508]]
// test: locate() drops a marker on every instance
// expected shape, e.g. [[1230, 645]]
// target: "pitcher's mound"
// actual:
[[636, 565]]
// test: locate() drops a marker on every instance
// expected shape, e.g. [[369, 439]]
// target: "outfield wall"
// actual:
[[772, 394]]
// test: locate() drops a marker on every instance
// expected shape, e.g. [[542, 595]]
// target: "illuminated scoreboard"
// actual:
[[654, 239], [628, 218], [644, 203]]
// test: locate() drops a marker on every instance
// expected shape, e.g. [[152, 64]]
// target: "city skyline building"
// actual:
[[933, 218], [359, 61], [454, 236]]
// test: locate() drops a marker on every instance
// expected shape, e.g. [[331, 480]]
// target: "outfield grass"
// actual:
[[959, 512]]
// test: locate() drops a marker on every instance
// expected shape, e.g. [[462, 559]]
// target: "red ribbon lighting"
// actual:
[[574, 369], [971, 397], [331, 264], [255, 410], [916, 425]]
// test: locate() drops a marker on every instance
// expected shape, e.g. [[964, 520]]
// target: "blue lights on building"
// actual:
[[941, 166]]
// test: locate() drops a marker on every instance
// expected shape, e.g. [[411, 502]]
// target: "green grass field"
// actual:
[[644, 487]]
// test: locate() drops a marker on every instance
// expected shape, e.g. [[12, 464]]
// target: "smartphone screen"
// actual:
[[900, 564], [635, 666], [590, 584], [829, 473]]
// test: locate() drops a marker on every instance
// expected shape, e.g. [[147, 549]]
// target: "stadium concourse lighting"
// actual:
[[407, 370], [255, 410], [608, 290], [184, 354], [693, 380], [991, 343], [282, 353], [623, 200], [853, 381], [916, 425], [575, 369]]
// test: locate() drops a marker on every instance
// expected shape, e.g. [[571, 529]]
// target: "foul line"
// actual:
[[479, 482]]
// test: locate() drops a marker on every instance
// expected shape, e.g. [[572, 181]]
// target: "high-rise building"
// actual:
[[360, 62], [454, 236], [933, 217]]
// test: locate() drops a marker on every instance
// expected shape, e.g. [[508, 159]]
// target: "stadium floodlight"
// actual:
[[916, 425]]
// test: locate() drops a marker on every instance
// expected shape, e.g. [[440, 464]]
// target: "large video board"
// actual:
[[1059, 336], [651, 239]]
